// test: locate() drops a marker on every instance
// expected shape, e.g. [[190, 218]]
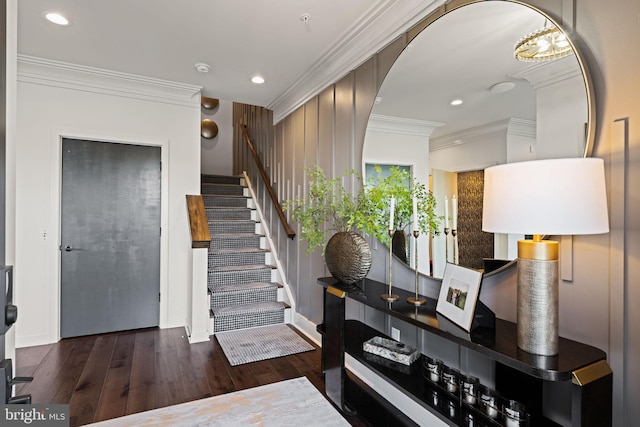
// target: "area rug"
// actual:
[[261, 343], [293, 402]]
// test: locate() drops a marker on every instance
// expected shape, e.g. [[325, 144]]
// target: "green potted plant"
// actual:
[[398, 184], [329, 217]]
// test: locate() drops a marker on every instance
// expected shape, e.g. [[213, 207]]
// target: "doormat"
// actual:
[[261, 343]]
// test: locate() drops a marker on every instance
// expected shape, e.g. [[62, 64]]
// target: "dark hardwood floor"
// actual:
[[111, 375]]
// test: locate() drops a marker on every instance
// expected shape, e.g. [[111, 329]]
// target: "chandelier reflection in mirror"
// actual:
[[545, 44]]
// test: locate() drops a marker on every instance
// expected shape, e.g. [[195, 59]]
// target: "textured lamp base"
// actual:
[[538, 304]]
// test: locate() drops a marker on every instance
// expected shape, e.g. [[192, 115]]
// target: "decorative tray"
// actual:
[[391, 350]]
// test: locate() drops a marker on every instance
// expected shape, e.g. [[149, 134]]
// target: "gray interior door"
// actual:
[[110, 243]]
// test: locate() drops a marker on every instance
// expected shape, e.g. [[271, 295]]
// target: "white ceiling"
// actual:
[[164, 39]]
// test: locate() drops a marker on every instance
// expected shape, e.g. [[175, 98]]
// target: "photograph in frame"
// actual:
[[458, 294]]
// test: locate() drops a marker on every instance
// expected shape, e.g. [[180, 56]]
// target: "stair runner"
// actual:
[[243, 287]]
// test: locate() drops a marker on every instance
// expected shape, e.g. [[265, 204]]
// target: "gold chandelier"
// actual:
[[545, 44]]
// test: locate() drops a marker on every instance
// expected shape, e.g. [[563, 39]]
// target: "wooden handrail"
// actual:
[[200, 235], [283, 219]]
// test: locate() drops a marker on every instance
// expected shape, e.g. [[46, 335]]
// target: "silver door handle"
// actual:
[[69, 248]]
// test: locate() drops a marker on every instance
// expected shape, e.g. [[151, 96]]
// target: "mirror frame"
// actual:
[[451, 5]]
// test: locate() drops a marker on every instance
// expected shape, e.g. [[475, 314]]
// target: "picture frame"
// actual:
[[459, 294]]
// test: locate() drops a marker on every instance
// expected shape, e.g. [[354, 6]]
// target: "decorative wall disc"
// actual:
[[209, 103], [208, 129]]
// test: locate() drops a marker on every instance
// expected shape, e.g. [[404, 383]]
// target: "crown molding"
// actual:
[[401, 126], [543, 74], [511, 126], [522, 127], [384, 23], [66, 75]]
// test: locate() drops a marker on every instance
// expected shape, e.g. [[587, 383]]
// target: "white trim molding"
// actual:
[[386, 21], [402, 126], [96, 80], [511, 126]]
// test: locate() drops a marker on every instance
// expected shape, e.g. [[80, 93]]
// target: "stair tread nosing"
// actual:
[[242, 287], [229, 196], [238, 250], [247, 267], [228, 208], [238, 236], [233, 221], [249, 308]]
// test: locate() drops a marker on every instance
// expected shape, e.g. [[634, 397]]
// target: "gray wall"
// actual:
[[328, 130], [597, 307]]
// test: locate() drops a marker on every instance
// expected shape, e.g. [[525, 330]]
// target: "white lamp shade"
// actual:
[[554, 197]]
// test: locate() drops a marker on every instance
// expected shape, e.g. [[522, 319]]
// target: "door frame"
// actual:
[[55, 217]]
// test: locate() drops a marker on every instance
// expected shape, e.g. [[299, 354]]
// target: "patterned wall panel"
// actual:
[[473, 243]]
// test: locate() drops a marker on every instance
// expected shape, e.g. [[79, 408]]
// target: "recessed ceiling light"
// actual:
[[456, 102], [378, 100], [257, 80], [502, 87], [56, 18], [202, 67]]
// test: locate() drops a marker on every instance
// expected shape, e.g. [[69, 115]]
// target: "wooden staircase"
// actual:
[[243, 284]]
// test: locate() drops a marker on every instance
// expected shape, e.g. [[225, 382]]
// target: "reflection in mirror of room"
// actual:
[[545, 114]]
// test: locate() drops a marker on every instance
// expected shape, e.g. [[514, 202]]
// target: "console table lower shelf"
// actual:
[[411, 380]]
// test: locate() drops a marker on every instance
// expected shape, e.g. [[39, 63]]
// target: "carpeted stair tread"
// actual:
[[238, 257], [233, 227], [221, 179], [235, 235], [243, 294], [241, 250], [228, 196], [244, 287], [230, 213], [249, 309], [222, 189], [235, 274], [228, 208], [241, 283], [218, 200], [239, 240], [248, 267], [213, 222], [210, 185]]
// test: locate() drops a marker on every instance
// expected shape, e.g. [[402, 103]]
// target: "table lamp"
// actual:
[[543, 197]]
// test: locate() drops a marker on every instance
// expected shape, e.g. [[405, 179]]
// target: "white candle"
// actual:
[[446, 212], [415, 214], [392, 209], [454, 203]]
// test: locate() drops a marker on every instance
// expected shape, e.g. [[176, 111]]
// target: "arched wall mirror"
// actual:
[[511, 111]]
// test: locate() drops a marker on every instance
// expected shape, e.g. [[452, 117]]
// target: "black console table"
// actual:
[[521, 376]]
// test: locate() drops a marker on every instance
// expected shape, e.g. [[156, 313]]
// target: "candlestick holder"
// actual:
[[454, 234], [416, 300], [389, 296], [446, 243]]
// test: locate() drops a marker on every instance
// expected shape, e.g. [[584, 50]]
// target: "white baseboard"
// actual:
[[307, 327]]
